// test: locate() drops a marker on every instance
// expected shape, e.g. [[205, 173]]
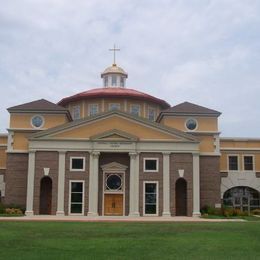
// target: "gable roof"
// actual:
[[187, 108], [38, 105], [80, 122]]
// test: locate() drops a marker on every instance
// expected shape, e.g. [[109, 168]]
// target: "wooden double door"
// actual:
[[113, 204]]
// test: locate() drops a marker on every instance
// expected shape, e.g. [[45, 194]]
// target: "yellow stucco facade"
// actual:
[[114, 122]]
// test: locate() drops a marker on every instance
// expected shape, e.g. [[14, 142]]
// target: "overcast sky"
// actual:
[[201, 51]]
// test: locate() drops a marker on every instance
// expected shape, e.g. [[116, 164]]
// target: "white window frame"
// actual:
[[151, 158], [73, 112], [243, 162], [89, 109], [154, 110], [111, 104], [157, 198], [238, 162], [84, 163], [83, 198], [139, 109]]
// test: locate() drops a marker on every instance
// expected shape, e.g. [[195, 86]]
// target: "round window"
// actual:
[[37, 121], [114, 182], [191, 124]]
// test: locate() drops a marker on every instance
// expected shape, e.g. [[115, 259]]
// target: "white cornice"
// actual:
[[17, 151], [239, 139], [26, 129], [239, 149]]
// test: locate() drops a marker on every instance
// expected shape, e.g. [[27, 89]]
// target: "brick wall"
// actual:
[[46, 160], [150, 176], [185, 162], [72, 175], [16, 179], [2, 177], [209, 180]]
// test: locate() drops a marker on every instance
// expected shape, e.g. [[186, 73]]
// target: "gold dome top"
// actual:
[[114, 69]]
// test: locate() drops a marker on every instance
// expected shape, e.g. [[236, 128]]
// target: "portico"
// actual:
[[115, 173]]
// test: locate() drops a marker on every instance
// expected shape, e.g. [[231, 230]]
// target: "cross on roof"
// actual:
[[114, 50]]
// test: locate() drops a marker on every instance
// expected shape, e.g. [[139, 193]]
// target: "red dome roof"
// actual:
[[113, 93]]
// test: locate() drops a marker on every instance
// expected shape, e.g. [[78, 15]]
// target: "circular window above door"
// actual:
[[114, 182]]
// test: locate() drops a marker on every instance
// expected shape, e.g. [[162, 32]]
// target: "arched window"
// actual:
[[241, 197]]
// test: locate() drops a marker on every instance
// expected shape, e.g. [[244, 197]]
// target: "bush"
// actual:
[[2, 208], [256, 212], [15, 206], [211, 210], [13, 211]]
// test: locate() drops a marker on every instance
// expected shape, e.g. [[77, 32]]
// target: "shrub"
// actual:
[[211, 210], [256, 212], [2, 208], [13, 211], [15, 206]]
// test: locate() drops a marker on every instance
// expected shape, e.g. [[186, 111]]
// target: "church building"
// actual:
[[115, 151]]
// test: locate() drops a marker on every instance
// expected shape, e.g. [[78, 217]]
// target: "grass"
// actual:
[[248, 218], [65, 240]]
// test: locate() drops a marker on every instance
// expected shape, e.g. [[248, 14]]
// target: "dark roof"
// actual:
[[114, 93], [190, 108], [38, 105]]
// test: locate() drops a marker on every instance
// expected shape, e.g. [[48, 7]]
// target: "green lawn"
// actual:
[[65, 240]]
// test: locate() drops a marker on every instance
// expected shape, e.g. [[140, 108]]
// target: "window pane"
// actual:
[[151, 165], [135, 110], [150, 198], [76, 197], [151, 114], [114, 106], [150, 209], [76, 112], [150, 188], [122, 82], [76, 208], [77, 164], [93, 109], [113, 80], [233, 163], [76, 187], [106, 81], [248, 163]]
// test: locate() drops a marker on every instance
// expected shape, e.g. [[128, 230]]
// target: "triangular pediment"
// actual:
[[114, 135], [114, 125], [113, 167]]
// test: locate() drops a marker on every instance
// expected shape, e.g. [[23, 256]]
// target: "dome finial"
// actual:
[[114, 50]]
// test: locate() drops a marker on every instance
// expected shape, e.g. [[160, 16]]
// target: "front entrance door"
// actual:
[[113, 204], [45, 196]]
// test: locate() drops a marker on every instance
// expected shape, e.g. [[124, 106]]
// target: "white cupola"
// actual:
[[114, 77]]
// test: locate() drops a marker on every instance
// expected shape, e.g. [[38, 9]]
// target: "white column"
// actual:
[[134, 185], [61, 184], [196, 185], [93, 184], [30, 184], [166, 185]]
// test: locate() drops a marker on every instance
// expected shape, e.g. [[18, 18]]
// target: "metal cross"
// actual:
[[114, 50]]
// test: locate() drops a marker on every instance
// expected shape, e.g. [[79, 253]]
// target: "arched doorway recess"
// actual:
[[181, 197], [45, 196]]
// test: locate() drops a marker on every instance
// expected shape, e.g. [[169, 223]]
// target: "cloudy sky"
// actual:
[[203, 51]]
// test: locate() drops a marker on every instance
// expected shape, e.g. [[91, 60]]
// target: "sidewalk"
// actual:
[[114, 219]]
